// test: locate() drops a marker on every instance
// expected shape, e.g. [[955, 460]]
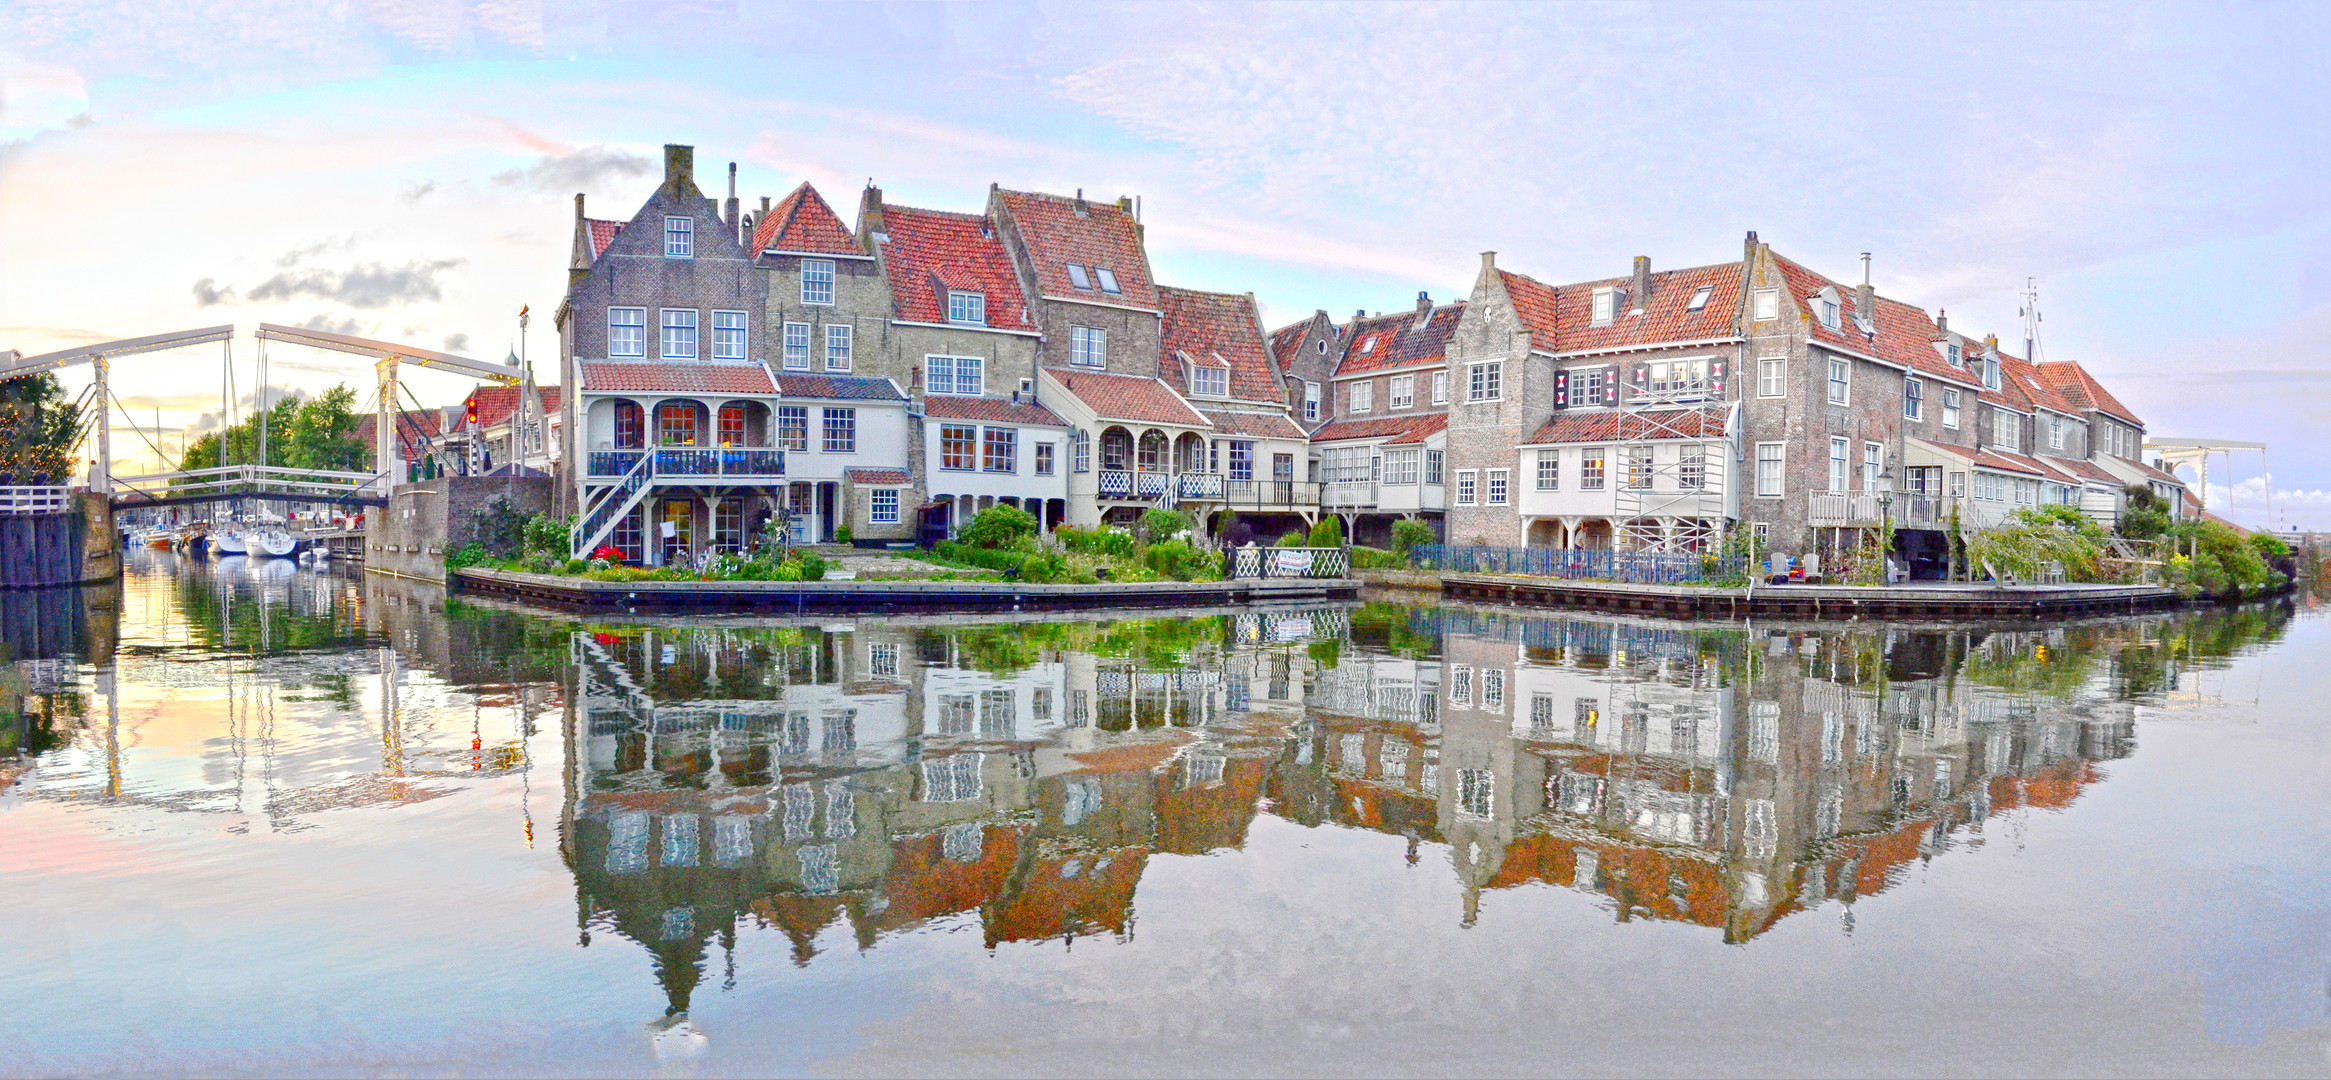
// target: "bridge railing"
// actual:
[[28, 499]]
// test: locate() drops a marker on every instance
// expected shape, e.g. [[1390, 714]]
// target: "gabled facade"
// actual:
[[1307, 353], [1379, 456]]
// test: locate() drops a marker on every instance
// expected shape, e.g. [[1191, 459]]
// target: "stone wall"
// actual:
[[411, 535]]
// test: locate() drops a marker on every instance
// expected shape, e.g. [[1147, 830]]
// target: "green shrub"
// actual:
[[1157, 526], [997, 527], [1293, 539], [813, 567], [545, 533], [1105, 541], [1406, 535], [469, 554], [1043, 568], [841, 534], [573, 567], [1179, 560], [1368, 558], [1328, 533], [788, 570]]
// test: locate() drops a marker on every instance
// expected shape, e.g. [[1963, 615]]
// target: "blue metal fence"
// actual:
[[1634, 566]]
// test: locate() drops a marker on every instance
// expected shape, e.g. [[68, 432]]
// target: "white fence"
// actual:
[[48, 499], [1290, 562]]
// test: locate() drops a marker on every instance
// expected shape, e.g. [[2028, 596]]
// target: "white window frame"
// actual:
[[817, 282], [1400, 392], [1310, 401], [1913, 399], [1873, 464], [2055, 433], [1360, 397], [2006, 430], [1497, 487], [966, 308], [1441, 387], [1468, 486], [1402, 467], [839, 347], [1594, 469], [796, 346], [1485, 381], [678, 328], [875, 514], [1950, 419], [838, 430], [1765, 305], [635, 339], [1209, 381], [1047, 458], [1840, 381], [953, 382], [1606, 306], [1840, 464], [1771, 465], [1088, 346], [1434, 461], [792, 436], [1772, 376], [1549, 470], [728, 335], [679, 237]]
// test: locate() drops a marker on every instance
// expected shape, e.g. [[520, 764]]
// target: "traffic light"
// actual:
[[473, 412]]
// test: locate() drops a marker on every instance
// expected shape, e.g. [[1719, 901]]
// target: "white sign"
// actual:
[[1293, 563], [671, 529]]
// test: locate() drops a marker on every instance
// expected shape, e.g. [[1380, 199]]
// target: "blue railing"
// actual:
[[1635, 566]]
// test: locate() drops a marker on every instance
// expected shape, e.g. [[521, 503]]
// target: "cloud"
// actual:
[[208, 293], [456, 343], [370, 286], [413, 193], [325, 322], [581, 170]]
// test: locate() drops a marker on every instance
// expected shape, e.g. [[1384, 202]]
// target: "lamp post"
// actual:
[[1886, 520]]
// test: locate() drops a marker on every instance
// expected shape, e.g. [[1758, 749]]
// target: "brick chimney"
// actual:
[[870, 215], [680, 172], [1942, 320], [1748, 246], [1642, 286], [1424, 302]]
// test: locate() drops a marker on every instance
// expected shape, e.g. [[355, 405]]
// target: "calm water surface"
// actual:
[[266, 819]]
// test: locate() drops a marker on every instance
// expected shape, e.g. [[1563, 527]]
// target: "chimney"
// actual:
[[1488, 261], [1865, 301], [1748, 247], [1125, 204], [764, 206], [1642, 287], [870, 214], [578, 206], [1082, 208], [728, 210], [680, 171], [1942, 320], [1424, 302], [1990, 343], [1360, 314]]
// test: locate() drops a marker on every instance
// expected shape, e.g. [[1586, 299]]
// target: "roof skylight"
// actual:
[[1076, 277], [1108, 279], [1700, 298]]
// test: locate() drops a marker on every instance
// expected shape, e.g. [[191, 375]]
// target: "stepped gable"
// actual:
[[802, 224], [1128, 397], [1206, 326], [2074, 384], [1394, 341], [926, 252], [1063, 229]]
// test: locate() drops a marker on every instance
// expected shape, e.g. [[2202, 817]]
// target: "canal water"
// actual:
[[266, 819]]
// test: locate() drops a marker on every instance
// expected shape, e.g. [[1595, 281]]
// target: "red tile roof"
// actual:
[[663, 378], [1372, 428], [2073, 383], [960, 250], [1208, 326], [1259, 425], [1286, 339], [2085, 470], [1422, 430], [992, 410], [602, 234], [1902, 333], [1561, 319], [2036, 389], [1396, 341], [880, 477], [412, 427], [1608, 426], [802, 222], [1129, 397], [1991, 459], [495, 403], [837, 387], [1057, 232]]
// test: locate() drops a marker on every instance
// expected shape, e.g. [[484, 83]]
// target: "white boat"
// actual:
[[272, 542], [223, 544]]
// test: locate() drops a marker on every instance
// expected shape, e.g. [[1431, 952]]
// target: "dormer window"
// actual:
[[1210, 381], [1991, 373], [1700, 298], [967, 308], [1605, 300], [679, 238], [1108, 279], [1951, 353], [1076, 277], [1825, 308]]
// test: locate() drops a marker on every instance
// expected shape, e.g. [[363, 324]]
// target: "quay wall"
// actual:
[[882, 597], [1814, 601]]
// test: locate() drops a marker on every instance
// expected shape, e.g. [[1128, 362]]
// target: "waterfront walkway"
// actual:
[[1917, 600]]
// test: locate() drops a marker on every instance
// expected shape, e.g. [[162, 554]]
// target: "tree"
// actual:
[[38, 427], [311, 433]]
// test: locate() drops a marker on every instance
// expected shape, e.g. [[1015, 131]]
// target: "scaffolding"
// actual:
[[1674, 503]]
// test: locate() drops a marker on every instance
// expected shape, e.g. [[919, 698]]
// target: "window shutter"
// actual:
[[1610, 391], [1561, 389], [1716, 376], [1642, 378]]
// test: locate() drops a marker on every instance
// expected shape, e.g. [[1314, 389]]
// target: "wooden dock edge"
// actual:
[[882, 597]]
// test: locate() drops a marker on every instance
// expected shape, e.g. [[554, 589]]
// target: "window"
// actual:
[[626, 331], [1767, 305], [1360, 397], [1590, 387], [1991, 373], [1958, 485], [1044, 459], [1108, 279], [841, 431], [1476, 792], [793, 427], [797, 346], [1772, 376], [1700, 298], [1605, 300], [1768, 469], [1541, 712], [1368, 346], [1678, 376], [1400, 467], [1002, 450], [1951, 407], [1837, 465], [2006, 429], [837, 346], [1549, 470], [728, 335], [732, 425], [1078, 277], [1485, 382], [1826, 307], [882, 509], [817, 281], [1497, 486], [882, 657], [1638, 462], [961, 375], [966, 308], [1951, 353], [2055, 433], [1210, 381], [1310, 401], [1913, 399], [630, 422], [1433, 460], [958, 443], [679, 238], [1466, 481], [1873, 465], [1440, 388], [1081, 445], [1460, 685], [1088, 346], [1400, 392], [1691, 470], [1839, 375], [1242, 460], [676, 424], [1590, 469], [954, 778], [1493, 689], [679, 333]]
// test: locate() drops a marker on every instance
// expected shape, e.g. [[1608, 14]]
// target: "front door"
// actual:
[[678, 529]]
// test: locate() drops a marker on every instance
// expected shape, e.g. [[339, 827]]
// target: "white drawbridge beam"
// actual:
[[100, 358], [387, 356]]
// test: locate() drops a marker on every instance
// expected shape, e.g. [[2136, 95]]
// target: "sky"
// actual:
[[406, 168]]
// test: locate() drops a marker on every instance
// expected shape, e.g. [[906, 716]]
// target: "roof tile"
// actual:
[[880, 477], [1607, 426], [960, 249], [992, 410], [1257, 425], [1207, 325], [794, 384], [802, 222], [1129, 397], [660, 378], [1059, 230], [1398, 341]]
